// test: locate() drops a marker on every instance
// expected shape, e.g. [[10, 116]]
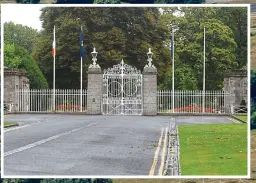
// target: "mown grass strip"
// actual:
[[215, 149]]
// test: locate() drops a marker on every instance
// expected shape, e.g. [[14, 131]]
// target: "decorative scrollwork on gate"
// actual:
[[122, 89], [122, 68]]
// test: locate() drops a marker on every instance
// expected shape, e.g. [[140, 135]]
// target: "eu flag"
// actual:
[[81, 43]]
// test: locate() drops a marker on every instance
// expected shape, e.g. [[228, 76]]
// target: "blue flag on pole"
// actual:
[[81, 43]]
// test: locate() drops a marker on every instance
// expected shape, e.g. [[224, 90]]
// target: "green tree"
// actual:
[[184, 79], [235, 18], [20, 35], [18, 57], [220, 44], [117, 33], [128, 33]]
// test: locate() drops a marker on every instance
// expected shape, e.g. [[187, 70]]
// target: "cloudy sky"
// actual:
[[22, 14]]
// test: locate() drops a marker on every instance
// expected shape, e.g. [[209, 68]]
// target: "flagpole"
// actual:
[[204, 76], [81, 81], [81, 93], [172, 70], [54, 69]]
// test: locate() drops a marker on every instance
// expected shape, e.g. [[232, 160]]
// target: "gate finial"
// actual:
[[94, 59], [150, 54]]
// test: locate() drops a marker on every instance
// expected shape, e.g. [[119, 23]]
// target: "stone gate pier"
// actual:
[[94, 89], [235, 83], [150, 88], [15, 80]]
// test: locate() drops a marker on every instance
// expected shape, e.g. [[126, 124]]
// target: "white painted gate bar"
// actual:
[[191, 101], [68, 100], [41, 100]]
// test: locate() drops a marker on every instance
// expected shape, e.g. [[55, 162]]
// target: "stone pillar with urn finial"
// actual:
[[94, 89], [150, 87]]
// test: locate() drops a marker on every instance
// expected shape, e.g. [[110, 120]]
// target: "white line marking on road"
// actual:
[[19, 127], [29, 146], [15, 128], [153, 167], [161, 169]]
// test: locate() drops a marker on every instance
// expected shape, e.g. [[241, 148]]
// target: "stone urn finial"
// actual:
[[94, 59], [150, 55]]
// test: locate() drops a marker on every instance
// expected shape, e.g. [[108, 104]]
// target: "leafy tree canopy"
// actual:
[[20, 35], [128, 33], [117, 33], [18, 57]]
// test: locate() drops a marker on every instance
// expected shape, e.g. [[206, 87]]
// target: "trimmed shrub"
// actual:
[[18, 57]]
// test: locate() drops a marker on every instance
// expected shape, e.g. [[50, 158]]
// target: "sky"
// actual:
[[22, 14]]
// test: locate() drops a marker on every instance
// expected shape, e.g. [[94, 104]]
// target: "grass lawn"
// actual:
[[242, 117], [214, 149], [6, 123], [182, 181]]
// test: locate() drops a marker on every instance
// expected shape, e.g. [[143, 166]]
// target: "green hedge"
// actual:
[[18, 57]]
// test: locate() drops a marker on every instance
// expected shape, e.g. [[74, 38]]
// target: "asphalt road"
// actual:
[[88, 145]]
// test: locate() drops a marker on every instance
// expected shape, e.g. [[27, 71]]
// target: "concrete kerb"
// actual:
[[178, 144], [238, 119], [172, 163]]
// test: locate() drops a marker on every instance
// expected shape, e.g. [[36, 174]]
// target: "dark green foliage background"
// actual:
[[19, 45], [20, 35], [18, 57], [127, 33]]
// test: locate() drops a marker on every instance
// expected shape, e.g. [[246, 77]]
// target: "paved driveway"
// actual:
[[88, 145]]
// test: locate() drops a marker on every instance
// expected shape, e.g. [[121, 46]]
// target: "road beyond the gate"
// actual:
[[89, 145]]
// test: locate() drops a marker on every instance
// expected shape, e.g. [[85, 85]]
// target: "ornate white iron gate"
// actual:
[[122, 90]]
